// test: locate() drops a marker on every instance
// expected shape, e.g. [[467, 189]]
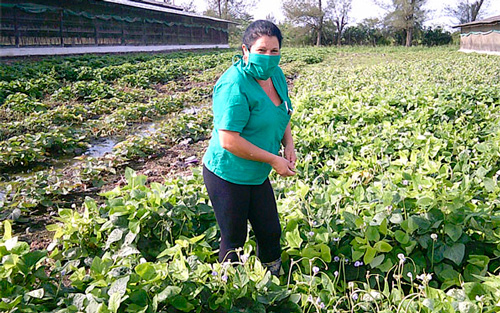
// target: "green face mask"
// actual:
[[261, 66]]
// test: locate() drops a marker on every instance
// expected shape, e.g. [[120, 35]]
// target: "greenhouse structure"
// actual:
[[41, 27], [481, 36]]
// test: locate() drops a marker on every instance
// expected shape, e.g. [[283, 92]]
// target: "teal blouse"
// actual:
[[241, 105]]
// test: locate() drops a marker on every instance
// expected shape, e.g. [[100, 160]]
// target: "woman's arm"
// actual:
[[289, 146], [239, 146]]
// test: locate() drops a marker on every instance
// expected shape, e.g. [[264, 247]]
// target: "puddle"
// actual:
[[100, 147], [191, 110], [97, 149]]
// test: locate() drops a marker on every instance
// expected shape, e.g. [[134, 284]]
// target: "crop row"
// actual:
[[394, 206]]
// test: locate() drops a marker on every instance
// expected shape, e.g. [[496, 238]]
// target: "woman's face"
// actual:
[[263, 45]]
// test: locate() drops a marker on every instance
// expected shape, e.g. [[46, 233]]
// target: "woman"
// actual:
[[251, 118]]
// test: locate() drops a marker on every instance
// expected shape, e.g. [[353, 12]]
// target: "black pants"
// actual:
[[234, 205]]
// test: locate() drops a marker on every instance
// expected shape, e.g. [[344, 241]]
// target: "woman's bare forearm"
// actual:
[[239, 146], [287, 140]]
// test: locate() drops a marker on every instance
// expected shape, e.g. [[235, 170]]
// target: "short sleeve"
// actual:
[[231, 107]]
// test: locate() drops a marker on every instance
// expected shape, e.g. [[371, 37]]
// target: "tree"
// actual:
[[233, 10], [466, 11], [189, 6], [436, 37], [405, 15], [308, 13], [339, 12]]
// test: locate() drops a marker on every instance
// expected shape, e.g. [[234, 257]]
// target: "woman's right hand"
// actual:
[[282, 166]]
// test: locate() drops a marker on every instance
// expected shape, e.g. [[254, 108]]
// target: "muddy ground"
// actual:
[[172, 162]]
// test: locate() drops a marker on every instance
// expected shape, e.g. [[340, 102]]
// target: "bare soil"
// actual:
[[175, 161]]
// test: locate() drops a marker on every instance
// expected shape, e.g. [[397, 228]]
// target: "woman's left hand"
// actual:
[[290, 155]]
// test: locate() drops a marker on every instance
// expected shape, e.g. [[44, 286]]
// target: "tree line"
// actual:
[[326, 22]]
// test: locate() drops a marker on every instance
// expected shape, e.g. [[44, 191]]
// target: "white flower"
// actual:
[[336, 273], [425, 278], [315, 270], [434, 237], [410, 275], [371, 296], [244, 258], [428, 303], [224, 278], [401, 258], [479, 298]]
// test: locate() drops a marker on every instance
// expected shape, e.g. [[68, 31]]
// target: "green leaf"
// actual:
[[377, 260], [115, 235], [6, 306], [372, 233], [134, 226], [396, 218], [401, 236], [425, 201], [37, 293], [293, 238], [454, 231], [310, 252], [119, 286], [357, 254], [411, 225], [181, 303], [114, 302], [489, 184], [383, 227], [7, 230], [140, 298], [382, 246], [168, 293], [369, 255], [479, 260], [32, 258], [326, 254], [455, 253], [146, 270]]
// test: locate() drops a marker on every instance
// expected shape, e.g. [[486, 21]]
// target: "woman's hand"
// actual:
[[282, 166], [290, 155]]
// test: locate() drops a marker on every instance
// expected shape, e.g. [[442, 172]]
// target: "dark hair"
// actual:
[[258, 29]]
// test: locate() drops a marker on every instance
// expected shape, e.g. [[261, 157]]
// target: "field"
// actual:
[[394, 207]]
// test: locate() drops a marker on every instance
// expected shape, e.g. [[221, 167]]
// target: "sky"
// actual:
[[361, 9]]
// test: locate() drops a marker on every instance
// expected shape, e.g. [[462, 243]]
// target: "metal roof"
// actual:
[[163, 8], [160, 4], [489, 20]]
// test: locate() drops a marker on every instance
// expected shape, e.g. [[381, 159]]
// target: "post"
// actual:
[[191, 32], [144, 32], [61, 25], [123, 32], [96, 39], [16, 28]]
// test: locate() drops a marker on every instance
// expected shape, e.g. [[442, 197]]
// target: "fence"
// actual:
[[99, 23]]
